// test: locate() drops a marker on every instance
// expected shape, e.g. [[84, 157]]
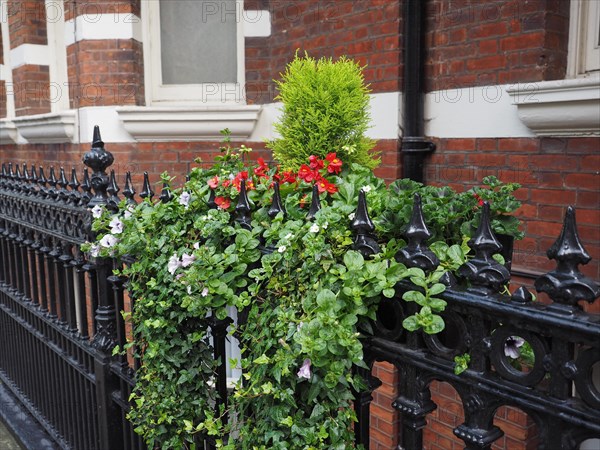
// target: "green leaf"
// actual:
[[414, 296], [326, 298], [411, 323], [262, 359], [436, 289], [353, 260], [389, 293], [435, 326]]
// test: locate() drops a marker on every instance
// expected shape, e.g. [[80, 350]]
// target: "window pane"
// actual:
[[198, 41]]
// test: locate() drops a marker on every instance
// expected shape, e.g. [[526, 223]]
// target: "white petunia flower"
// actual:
[[366, 189], [197, 245], [282, 249], [184, 199], [304, 371], [97, 211], [204, 292], [289, 236], [325, 225], [351, 216], [173, 264], [108, 241], [189, 290], [94, 250], [116, 226], [314, 228], [126, 214], [187, 260]]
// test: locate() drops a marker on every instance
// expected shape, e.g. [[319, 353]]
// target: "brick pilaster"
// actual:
[[105, 71], [31, 81]]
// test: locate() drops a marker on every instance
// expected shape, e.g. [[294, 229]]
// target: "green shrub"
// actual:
[[325, 109]]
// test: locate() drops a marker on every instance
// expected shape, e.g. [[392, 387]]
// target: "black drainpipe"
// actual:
[[414, 147]]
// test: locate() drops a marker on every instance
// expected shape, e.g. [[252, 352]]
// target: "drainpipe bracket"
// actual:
[[415, 144]]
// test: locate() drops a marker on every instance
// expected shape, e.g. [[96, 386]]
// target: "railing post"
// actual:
[[109, 423]]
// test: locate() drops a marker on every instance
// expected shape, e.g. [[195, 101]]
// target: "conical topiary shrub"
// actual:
[[325, 109]]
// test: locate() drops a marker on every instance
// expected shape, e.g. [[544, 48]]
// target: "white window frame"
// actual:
[[158, 94], [584, 27]]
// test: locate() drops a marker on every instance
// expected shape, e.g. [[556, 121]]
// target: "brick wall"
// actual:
[[27, 22], [31, 82], [367, 31], [554, 173], [475, 43], [105, 71]]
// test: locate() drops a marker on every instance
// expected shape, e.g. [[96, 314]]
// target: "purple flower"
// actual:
[[116, 226], [173, 264], [187, 260], [511, 346], [108, 241], [184, 199], [304, 371]]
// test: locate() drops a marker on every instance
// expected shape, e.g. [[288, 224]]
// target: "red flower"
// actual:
[[479, 199], [237, 181], [222, 202], [306, 174], [262, 169], [325, 186], [213, 182], [289, 177], [315, 162], [226, 182], [335, 163]]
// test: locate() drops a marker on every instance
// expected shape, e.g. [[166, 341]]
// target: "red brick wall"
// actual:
[[385, 420], [27, 25], [91, 8], [106, 72], [475, 43], [31, 84], [366, 30], [554, 173], [27, 22], [520, 430]]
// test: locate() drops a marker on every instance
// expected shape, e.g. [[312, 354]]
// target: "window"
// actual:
[[584, 38], [193, 52]]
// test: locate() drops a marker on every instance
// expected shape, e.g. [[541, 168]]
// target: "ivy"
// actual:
[[305, 297]]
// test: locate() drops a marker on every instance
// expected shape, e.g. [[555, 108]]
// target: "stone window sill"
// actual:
[[189, 123], [560, 108]]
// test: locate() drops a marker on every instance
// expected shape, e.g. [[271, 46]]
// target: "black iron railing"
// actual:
[[60, 316]]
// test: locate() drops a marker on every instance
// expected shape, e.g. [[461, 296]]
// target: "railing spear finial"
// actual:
[[98, 159], [242, 209], [147, 191], [416, 253], [129, 190], [566, 285], [277, 204], [363, 226], [315, 203], [485, 273]]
